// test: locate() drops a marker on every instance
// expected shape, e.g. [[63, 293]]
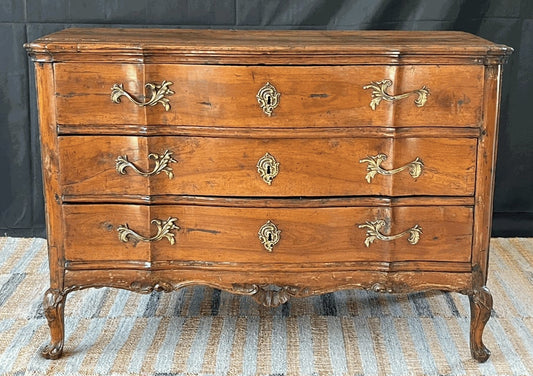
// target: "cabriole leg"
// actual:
[[480, 308], [54, 305]]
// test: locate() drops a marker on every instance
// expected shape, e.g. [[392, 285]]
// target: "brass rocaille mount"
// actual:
[[157, 94]]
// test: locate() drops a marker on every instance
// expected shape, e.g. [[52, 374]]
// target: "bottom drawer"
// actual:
[[226, 235]]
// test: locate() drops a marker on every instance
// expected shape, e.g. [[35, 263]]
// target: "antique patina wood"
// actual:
[[275, 164], [214, 166], [311, 96]]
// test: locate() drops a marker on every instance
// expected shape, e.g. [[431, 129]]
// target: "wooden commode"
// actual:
[[274, 164]]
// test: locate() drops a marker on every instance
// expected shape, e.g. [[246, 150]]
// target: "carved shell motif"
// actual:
[[270, 295]]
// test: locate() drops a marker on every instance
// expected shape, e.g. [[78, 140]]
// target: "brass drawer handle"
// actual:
[[268, 98], [415, 167], [125, 234], [268, 168], [161, 164], [157, 94], [378, 94], [372, 233], [269, 235]]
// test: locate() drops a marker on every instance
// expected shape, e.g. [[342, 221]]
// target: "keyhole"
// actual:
[[269, 237], [269, 100], [268, 170]]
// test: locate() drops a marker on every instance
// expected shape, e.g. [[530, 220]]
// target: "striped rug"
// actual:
[[202, 331]]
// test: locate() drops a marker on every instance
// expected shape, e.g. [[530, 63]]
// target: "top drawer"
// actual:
[[229, 96]]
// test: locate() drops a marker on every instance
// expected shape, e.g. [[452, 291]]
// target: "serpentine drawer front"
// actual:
[[318, 96], [274, 164], [221, 235], [120, 165]]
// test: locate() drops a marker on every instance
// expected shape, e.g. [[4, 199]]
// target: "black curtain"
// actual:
[[503, 21]]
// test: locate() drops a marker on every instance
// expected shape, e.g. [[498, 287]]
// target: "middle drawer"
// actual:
[[124, 165]]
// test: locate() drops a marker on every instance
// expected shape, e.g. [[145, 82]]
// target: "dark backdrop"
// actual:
[[503, 21]]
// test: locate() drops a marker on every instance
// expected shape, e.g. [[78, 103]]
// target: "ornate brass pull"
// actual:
[[163, 231], [268, 98], [378, 94], [269, 235], [268, 168], [415, 167], [161, 164], [372, 233], [157, 94]]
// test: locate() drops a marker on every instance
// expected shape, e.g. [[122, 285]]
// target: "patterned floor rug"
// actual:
[[202, 331]]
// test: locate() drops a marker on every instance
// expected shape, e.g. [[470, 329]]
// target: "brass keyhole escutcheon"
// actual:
[[268, 98], [268, 168], [269, 235]]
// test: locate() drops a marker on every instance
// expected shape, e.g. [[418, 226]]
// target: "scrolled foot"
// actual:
[[54, 304], [53, 350], [480, 308], [481, 354]]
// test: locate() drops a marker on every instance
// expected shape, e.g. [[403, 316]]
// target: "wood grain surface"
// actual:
[[308, 235], [304, 47], [227, 166], [209, 95]]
